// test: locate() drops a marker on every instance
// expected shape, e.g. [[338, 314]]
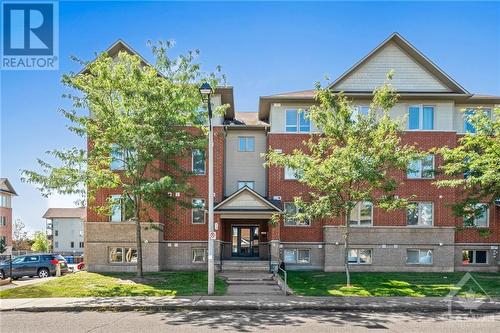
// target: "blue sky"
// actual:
[[264, 48]]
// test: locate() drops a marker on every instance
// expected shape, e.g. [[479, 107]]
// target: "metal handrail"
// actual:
[[221, 255], [285, 280]]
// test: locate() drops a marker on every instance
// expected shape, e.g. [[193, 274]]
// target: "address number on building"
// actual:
[[211, 235]]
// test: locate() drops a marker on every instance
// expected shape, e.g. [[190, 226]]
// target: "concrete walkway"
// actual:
[[25, 281], [250, 302]]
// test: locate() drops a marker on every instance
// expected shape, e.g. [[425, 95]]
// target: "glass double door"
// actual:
[[245, 241]]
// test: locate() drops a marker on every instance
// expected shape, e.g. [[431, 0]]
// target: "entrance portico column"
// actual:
[[274, 242]]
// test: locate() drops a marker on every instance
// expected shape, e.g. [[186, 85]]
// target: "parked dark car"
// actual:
[[41, 265]]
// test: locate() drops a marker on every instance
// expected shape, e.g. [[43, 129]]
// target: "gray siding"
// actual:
[[245, 166]]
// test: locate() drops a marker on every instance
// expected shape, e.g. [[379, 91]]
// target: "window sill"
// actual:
[[198, 223], [296, 226]]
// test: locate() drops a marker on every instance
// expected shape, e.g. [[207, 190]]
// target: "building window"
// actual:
[[478, 216], [56, 244], [72, 245], [56, 232], [117, 158], [469, 113], [198, 162], [5, 201], [3, 220], [420, 214], [362, 214], [121, 208], [293, 174], [290, 216], [297, 121], [246, 143], [474, 257], [199, 255], [243, 183], [421, 169], [198, 211], [360, 110], [125, 255], [421, 117], [419, 256], [81, 245], [359, 256], [297, 256]]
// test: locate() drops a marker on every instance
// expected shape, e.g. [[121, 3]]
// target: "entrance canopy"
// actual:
[[246, 203]]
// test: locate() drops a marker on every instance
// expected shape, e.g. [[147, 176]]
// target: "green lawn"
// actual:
[[390, 284], [83, 284]]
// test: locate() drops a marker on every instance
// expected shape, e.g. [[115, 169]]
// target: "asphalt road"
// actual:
[[243, 321]]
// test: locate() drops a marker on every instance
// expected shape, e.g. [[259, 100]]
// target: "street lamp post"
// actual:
[[206, 92]]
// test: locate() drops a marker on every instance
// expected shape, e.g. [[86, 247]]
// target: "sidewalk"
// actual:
[[380, 304]]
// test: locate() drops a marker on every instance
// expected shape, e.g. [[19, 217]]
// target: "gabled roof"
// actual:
[[54, 213], [246, 199], [450, 89], [226, 92], [412, 52], [6, 187]]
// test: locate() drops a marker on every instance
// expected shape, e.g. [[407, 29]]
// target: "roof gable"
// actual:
[[413, 72], [248, 200], [6, 187]]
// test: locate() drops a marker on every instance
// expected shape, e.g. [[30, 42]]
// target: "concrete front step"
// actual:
[[245, 265], [250, 283]]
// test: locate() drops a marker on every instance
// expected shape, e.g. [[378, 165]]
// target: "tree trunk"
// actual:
[[138, 238], [346, 248]]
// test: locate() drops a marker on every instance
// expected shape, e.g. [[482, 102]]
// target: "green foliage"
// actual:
[[40, 242], [84, 284], [354, 159], [474, 165]]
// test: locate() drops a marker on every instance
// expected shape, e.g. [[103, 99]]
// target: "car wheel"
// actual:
[[43, 273], [2, 274]]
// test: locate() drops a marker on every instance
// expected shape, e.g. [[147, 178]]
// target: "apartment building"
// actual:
[[247, 194], [65, 229], [6, 194]]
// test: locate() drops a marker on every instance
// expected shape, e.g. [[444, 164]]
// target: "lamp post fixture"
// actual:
[[206, 91]]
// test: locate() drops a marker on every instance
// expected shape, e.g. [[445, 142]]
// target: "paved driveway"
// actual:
[[25, 281]]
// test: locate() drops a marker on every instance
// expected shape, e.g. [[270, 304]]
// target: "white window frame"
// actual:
[[5, 201], [246, 139], [125, 250], [358, 260], [243, 183], [420, 170], [297, 120], [116, 198], [292, 222], [296, 256], [474, 258], [193, 250], [291, 173], [118, 160], [420, 256], [357, 223], [204, 163], [419, 217], [3, 221], [198, 209], [474, 222], [421, 117]]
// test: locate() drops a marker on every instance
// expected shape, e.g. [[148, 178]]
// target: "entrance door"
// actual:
[[245, 241]]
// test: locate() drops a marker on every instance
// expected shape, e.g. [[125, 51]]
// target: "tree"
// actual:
[[356, 158], [143, 119], [20, 236], [40, 242], [474, 165]]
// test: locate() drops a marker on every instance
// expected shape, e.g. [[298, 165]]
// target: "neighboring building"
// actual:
[[65, 230], [6, 194], [247, 194]]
